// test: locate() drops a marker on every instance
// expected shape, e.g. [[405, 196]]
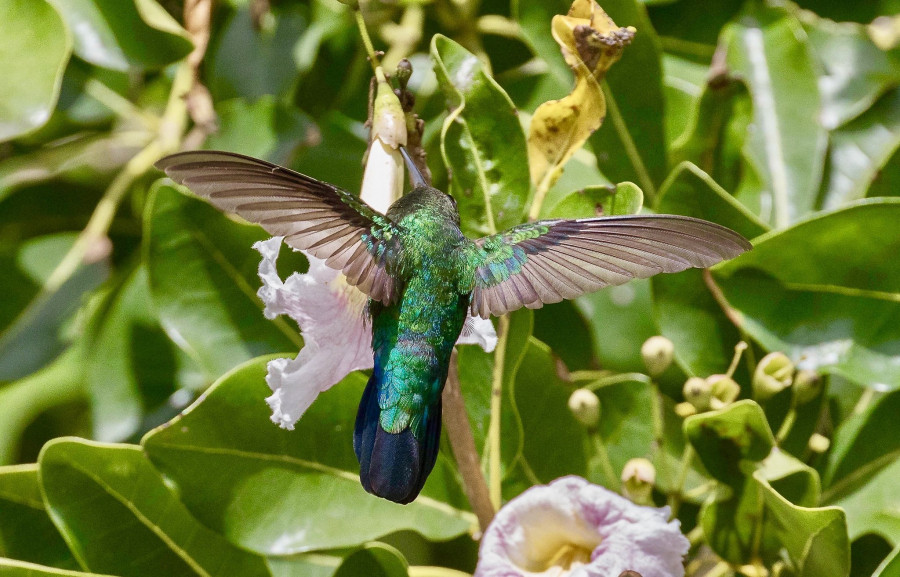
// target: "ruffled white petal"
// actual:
[[330, 315], [337, 341], [478, 331], [571, 527]]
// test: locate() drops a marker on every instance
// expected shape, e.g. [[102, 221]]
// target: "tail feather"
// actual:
[[394, 466]]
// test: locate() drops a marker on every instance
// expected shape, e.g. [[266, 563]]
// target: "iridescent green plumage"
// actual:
[[423, 277]]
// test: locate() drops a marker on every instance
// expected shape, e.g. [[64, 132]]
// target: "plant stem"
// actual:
[[367, 41], [494, 462], [605, 463], [459, 432], [614, 114], [675, 498], [123, 107]]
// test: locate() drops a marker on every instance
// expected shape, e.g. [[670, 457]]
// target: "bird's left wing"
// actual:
[[547, 261], [314, 216]]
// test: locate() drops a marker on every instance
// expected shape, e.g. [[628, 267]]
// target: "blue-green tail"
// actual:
[[394, 466]]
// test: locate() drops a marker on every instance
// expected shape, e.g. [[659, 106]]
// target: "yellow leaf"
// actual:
[[590, 43]]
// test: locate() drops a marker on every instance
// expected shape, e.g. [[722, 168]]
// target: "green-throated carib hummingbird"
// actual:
[[423, 276]]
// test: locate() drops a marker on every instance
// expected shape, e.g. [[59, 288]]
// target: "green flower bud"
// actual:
[[697, 392], [724, 391], [404, 71], [773, 374], [638, 478], [657, 352], [388, 120], [685, 410], [819, 443], [807, 386], [585, 405]]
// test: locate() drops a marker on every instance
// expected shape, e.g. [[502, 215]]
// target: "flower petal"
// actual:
[[478, 331], [330, 315], [570, 514]]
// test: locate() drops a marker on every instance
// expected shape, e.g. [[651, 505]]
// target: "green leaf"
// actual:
[[58, 383], [825, 292], [131, 366], [13, 568], [119, 516], [860, 150], [890, 567], [815, 539], [873, 507], [626, 420], [37, 47], [623, 198], [482, 143], [263, 129], [26, 532], [202, 273], [375, 560], [856, 72], [683, 307], [246, 61], [636, 109], [84, 159], [731, 524], [289, 491], [554, 442], [683, 85], [620, 318], [729, 439], [123, 34], [767, 47], [37, 334]]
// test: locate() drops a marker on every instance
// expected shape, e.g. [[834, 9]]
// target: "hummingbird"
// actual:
[[423, 277]]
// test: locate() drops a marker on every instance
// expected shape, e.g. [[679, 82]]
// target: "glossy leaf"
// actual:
[[36, 48], [123, 34], [727, 439], [872, 508], [624, 198], [860, 150], [825, 292], [815, 539], [203, 278], [118, 515], [288, 491], [683, 307], [856, 72], [768, 48], [26, 532], [890, 567], [36, 336], [376, 560], [482, 143]]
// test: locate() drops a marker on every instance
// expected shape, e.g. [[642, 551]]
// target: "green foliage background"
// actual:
[[124, 299]]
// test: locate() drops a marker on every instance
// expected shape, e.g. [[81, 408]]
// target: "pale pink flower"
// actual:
[[576, 529]]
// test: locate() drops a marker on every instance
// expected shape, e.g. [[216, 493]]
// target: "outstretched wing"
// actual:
[[314, 216], [551, 260]]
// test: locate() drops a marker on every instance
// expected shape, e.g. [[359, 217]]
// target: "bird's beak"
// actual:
[[415, 177]]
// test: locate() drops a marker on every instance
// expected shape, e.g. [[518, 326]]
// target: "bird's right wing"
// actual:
[[314, 216], [547, 261]]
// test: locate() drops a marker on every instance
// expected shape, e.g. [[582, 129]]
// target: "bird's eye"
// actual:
[[452, 200]]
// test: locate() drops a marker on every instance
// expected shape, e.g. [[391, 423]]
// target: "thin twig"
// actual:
[[459, 432], [197, 17], [494, 462], [733, 315]]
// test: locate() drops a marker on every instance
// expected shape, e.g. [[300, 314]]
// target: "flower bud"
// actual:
[[724, 391], [404, 71], [697, 392], [819, 443], [773, 374], [388, 120], [585, 405], [657, 353], [807, 386], [638, 478], [685, 410]]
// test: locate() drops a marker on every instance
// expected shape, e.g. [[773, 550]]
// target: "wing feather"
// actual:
[[311, 215], [547, 261]]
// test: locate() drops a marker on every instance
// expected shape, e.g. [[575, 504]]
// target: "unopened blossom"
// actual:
[[576, 529], [330, 312]]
